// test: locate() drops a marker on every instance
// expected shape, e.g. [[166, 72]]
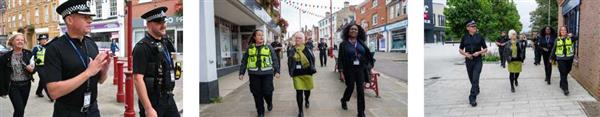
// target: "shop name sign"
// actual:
[[174, 20]]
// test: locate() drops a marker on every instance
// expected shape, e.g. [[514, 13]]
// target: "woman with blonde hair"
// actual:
[[301, 63], [17, 73], [514, 54]]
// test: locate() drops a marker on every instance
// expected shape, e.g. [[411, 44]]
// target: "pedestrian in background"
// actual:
[[322, 52], [18, 69], [261, 63], [501, 42], [514, 53], [355, 65], [563, 52], [472, 47], [301, 65]]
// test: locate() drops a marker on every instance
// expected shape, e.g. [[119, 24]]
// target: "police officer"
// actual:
[[563, 52], [73, 66], [261, 63], [38, 53], [472, 46], [322, 52], [153, 68]]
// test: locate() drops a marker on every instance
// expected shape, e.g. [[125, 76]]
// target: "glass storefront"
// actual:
[[227, 42], [399, 40]]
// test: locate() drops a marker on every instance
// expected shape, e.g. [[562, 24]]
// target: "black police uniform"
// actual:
[[41, 85], [66, 58], [151, 57], [472, 44]]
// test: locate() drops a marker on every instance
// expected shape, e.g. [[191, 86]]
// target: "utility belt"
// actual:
[[154, 85]]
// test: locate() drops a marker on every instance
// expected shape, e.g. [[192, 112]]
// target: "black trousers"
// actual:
[[302, 95], [501, 52], [323, 58], [564, 67], [355, 78], [513, 78], [538, 55], [473, 71], [164, 105], [19, 94], [64, 110], [42, 86], [262, 89], [547, 64]]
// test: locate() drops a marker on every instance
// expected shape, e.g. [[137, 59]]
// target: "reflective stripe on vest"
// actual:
[[562, 46], [40, 56], [253, 57]]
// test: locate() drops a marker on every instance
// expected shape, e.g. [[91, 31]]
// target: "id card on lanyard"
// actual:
[[356, 61], [169, 62], [87, 97]]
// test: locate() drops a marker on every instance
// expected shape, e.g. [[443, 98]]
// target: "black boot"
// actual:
[[516, 82], [261, 115], [512, 81], [566, 92], [301, 114], [344, 106]]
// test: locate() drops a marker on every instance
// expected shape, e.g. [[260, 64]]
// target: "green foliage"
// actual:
[[491, 58], [539, 17], [492, 17], [216, 100]]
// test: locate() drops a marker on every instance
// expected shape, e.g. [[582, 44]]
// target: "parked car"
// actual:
[[3, 49]]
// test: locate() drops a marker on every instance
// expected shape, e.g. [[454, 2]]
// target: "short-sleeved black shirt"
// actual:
[[146, 58], [472, 43], [62, 63]]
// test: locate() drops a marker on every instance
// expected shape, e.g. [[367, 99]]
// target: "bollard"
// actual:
[[129, 111], [115, 60], [120, 94]]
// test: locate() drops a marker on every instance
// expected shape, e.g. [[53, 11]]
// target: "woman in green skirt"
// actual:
[[301, 63], [515, 54]]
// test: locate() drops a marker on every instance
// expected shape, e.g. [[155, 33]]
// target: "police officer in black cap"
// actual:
[[153, 68], [472, 47], [39, 52], [73, 66]]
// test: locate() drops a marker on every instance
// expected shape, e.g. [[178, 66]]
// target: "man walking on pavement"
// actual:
[[472, 46], [153, 68], [73, 66], [39, 51], [278, 47], [322, 52], [500, 42]]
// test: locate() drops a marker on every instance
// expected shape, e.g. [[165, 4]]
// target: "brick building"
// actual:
[[581, 19], [33, 16], [174, 20]]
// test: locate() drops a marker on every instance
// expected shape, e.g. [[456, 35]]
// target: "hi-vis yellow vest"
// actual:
[[564, 45], [40, 56], [264, 57]]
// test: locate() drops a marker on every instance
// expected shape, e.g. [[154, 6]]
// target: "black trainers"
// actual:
[[344, 106], [566, 92], [269, 107], [473, 104], [307, 104], [301, 114], [39, 95]]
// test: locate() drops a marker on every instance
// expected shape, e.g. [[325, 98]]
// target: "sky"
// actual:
[[291, 14], [523, 7]]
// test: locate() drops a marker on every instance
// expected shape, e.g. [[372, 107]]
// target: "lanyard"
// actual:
[[78, 52], [356, 50], [166, 55]]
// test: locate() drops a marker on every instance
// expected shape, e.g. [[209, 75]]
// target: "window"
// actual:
[[113, 7], [37, 14], [374, 3], [99, 8], [46, 15], [362, 10], [364, 24], [374, 19], [144, 1]]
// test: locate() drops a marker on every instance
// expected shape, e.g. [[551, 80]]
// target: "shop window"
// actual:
[[572, 23]]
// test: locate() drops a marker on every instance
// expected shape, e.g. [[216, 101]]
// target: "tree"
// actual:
[[539, 17], [492, 17]]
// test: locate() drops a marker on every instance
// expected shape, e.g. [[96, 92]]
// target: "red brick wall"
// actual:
[[139, 9], [380, 10], [587, 70]]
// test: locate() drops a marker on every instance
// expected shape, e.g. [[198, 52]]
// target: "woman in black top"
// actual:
[[17, 73], [355, 64], [544, 43]]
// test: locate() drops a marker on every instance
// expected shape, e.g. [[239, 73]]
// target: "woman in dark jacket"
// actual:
[[514, 53], [355, 65], [544, 43], [17, 72], [301, 64]]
